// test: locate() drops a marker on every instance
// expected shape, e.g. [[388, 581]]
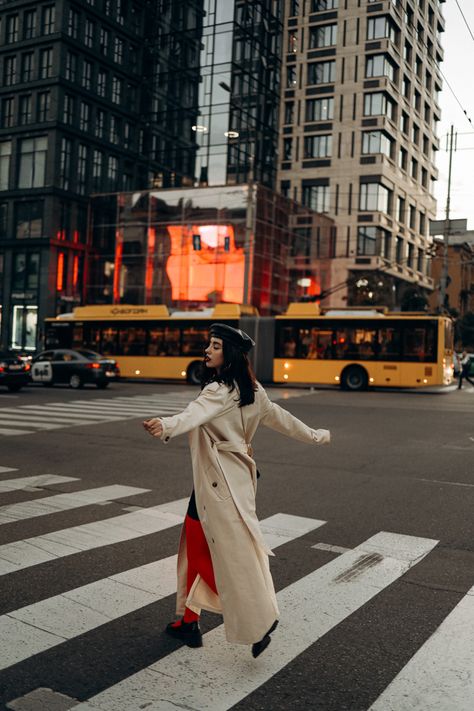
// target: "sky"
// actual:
[[458, 68]]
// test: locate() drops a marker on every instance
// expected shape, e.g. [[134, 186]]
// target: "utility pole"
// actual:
[[444, 275]]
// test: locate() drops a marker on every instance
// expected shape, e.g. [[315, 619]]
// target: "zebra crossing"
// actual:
[[28, 419], [439, 677]]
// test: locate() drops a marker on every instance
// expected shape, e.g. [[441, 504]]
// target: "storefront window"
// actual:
[[24, 327]]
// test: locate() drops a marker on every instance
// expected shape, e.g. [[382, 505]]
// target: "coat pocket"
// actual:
[[216, 482]]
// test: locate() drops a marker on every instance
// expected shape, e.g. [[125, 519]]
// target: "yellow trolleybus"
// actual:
[[358, 349], [148, 341]]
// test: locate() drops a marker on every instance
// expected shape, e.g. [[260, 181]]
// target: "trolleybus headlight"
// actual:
[[183, 373], [286, 365], [425, 380], [371, 380], [137, 372], [285, 376], [337, 378]]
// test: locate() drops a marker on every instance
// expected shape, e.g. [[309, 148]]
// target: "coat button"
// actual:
[[214, 483]]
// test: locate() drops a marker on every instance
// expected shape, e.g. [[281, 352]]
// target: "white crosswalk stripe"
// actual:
[[45, 624], [321, 600], [27, 419], [438, 677]]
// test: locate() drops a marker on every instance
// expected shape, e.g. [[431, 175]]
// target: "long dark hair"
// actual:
[[236, 370]]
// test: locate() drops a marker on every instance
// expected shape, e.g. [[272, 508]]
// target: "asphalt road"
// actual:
[[396, 484]]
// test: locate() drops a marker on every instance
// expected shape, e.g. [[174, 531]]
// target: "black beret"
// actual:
[[235, 336]]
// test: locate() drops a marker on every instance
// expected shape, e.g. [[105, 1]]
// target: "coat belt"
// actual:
[[228, 446]]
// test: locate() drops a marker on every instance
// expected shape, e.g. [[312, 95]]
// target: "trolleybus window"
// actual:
[[132, 341]]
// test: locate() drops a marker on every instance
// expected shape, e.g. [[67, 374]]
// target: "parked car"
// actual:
[[73, 367], [14, 373]]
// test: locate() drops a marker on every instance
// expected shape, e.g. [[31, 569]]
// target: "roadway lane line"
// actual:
[[4, 470], [41, 480], [28, 422], [440, 676], [33, 629], [88, 536], [8, 432], [310, 608], [65, 502]]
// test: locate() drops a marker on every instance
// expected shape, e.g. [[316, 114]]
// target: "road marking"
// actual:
[[330, 548], [40, 425], [445, 483], [65, 502], [88, 536], [310, 608], [3, 470], [15, 432], [41, 480], [45, 624], [440, 676]]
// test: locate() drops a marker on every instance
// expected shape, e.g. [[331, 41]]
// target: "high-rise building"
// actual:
[[95, 96], [358, 114]]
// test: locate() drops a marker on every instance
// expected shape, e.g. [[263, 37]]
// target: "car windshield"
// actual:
[[91, 355]]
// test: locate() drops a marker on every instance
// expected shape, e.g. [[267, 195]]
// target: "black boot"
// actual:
[[187, 632], [259, 647]]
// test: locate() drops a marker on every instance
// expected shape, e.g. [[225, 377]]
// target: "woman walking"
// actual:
[[223, 559]]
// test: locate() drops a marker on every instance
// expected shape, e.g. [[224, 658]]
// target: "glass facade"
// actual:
[[191, 248], [237, 121]]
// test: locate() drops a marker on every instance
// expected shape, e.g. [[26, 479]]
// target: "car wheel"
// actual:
[[104, 384], [354, 378], [14, 388], [193, 374], [75, 381]]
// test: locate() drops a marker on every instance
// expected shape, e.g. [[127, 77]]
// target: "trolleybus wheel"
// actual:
[[354, 377], [193, 373]]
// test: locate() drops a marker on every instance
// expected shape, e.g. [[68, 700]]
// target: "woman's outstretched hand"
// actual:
[[153, 427]]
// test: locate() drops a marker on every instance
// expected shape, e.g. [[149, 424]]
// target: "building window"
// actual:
[[287, 148], [380, 28], [378, 65], [68, 114], [399, 256], [112, 172], [9, 71], [86, 74], [319, 109], [116, 90], [321, 72], [7, 112], [376, 142], [373, 197], [46, 63], [104, 41], [419, 265], [294, 8], [25, 112], [316, 197], [48, 20], [414, 168], [5, 158], [100, 123], [3, 233], [29, 24], [89, 33], [401, 210], [101, 82], [11, 34], [65, 165], [127, 135], [292, 42], [412, 213], [411, 254], [32, 162], [322, 36], [367, 241], [318, 146], [29, 219], [44, 104], [404, 123], [26, 275], [27, 67], [71, 66], [291, 77], [84, 116], [321, 5], [118, 50], [114, 130], [289, 111], [73, 24], [97, 162], [81, 169], [378, 104]]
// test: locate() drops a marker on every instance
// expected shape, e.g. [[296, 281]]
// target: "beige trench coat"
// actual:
[[225, 485]]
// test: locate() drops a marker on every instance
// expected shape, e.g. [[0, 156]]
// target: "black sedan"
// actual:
[[14, 373], [73, 367]]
